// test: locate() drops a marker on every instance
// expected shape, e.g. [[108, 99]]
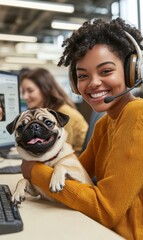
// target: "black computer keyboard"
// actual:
[[10, 219]]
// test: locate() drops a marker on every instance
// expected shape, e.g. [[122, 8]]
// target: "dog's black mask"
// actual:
[[36, 132], [36, 138]]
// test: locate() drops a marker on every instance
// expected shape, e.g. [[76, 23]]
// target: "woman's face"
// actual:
[[100, 74], [31, 94]]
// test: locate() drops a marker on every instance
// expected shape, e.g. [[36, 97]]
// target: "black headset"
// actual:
[[133, 68]]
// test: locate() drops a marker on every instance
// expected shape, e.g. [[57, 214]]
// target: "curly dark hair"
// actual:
[[100, 32], [113, 34]]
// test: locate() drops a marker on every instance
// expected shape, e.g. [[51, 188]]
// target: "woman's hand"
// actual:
[[26, 168]]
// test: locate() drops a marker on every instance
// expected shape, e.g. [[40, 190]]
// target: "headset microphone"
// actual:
[[111, 98]]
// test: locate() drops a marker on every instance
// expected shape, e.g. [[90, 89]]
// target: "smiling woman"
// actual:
[[100, 56]]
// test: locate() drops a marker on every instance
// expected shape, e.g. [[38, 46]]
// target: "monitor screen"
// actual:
[[9, 106]]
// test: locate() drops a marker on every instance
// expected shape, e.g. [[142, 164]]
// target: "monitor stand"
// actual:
[[4, 153], [9, 154]]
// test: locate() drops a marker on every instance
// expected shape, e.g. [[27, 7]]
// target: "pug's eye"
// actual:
[[49, 123], [20, 128]]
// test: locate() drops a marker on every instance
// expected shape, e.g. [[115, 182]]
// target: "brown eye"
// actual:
[[20, 128], [49, 123], [81, 76]]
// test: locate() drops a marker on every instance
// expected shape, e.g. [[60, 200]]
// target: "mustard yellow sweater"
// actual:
[[76, 127], [115, 156]]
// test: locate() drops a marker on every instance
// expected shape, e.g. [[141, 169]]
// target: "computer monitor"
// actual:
[[10, 105]]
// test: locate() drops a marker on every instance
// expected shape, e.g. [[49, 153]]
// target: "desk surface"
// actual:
[[53, 221]]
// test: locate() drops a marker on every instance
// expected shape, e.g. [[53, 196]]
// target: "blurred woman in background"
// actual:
[[40, 89], [2, 111]]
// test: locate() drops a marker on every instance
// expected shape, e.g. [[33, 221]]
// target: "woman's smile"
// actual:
[[98, 94]]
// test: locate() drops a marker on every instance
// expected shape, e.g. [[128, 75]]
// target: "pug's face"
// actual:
[[37, 130]]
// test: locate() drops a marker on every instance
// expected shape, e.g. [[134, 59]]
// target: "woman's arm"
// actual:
[[106, 203], [26, 168]]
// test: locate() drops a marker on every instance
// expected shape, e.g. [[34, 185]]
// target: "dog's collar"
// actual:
[[49, 160]]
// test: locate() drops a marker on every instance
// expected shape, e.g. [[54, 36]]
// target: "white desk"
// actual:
[[45, 220]]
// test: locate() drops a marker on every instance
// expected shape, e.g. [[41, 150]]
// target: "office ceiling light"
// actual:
[[48, 56], [64, 25], [27, 48], [24, 60], [8, 66], [17, 38], [67, 8]]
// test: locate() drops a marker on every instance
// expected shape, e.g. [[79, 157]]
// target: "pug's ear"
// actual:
[[61, 117], [10, 127]]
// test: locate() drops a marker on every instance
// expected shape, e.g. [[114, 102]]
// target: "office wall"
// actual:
[[132, 11]]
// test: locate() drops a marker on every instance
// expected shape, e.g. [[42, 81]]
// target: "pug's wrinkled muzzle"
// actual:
[[37, 139]]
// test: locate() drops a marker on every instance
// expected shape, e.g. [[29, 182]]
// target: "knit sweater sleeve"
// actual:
[[122, 175]]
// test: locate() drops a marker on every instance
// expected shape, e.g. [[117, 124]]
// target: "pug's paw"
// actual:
[[23, 187], [18, 196], [57, 182], [20, 191]]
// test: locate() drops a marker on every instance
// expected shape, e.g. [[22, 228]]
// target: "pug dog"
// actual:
[[40, 136]]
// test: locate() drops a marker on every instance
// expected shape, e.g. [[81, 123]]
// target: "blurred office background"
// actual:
[[31, 32]]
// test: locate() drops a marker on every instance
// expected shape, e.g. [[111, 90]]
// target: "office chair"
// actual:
[[93, 119]]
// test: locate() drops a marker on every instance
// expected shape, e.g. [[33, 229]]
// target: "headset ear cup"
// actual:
[[131, 71]]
